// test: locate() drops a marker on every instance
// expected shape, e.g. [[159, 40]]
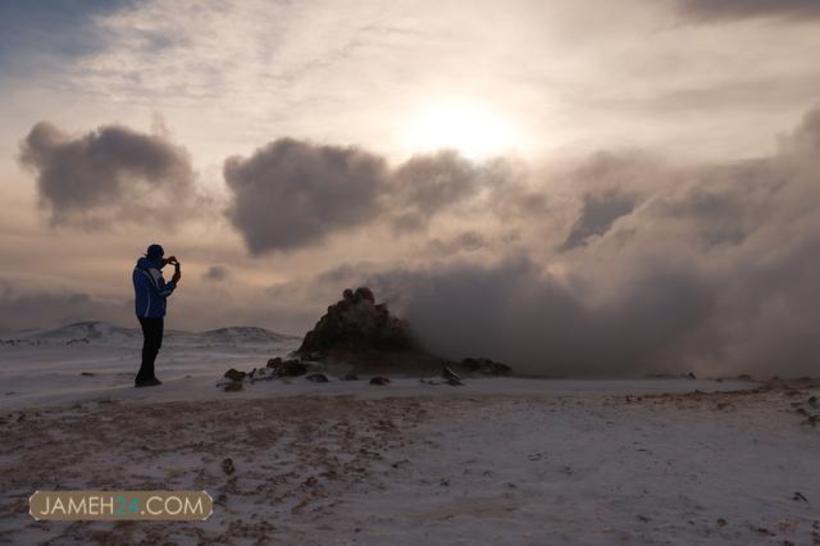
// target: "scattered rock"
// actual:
[[722, 522], [233, 386], [290, 368], [447, 373], [451, 377], [263, 374], [798, 496], [235, 375], [317, 378], [380, 380], [482, 366], [227, 466], [274, 362]]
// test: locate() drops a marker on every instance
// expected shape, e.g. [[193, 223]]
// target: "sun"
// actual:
[[472, 128]]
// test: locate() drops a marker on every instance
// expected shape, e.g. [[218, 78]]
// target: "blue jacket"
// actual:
[[150, 289]]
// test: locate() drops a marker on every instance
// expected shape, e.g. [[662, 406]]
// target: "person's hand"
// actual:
[[177, 276], [172, 260]]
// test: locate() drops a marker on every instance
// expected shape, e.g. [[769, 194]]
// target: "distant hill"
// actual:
[[246, 333], [103, 333]]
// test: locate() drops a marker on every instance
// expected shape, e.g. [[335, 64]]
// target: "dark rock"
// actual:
[[691, 375], [481, 366], [453, 382], [448, 374], [402, 462], [88, 374], [227, 466], [380, 380], [365, 293], [317, 378], [274, 362], [235, 375], [289, 368], [233, 386], [350, 377]]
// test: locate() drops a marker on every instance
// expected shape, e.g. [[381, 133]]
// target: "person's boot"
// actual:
[[150, 382]]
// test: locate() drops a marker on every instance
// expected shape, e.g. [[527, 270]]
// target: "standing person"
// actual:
[[151, 292]]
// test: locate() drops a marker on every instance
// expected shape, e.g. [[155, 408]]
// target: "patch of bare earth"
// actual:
[[291, 462], [796, 396]]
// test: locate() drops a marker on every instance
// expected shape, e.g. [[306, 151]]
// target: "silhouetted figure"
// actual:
[[150, 294]]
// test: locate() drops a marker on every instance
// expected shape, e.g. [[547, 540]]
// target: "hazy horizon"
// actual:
[[571, 187]]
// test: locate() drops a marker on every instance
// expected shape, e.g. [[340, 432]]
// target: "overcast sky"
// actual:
[[607, 185]]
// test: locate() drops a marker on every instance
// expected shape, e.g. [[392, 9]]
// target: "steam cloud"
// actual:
[[216, 273], [427, 184], [735, 9], [113, 173], [291, 193], [26, 308], [712, 269], [622, 263]]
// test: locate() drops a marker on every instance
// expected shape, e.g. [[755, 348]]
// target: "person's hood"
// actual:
[[145, 263]]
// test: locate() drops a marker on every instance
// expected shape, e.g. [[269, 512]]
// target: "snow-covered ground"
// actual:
[[497, 461]]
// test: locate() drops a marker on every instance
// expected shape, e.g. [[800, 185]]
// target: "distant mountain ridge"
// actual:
[[98, 332]]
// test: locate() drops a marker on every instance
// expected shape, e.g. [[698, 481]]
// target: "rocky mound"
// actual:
[[362, 333], [357, 324], [359, 336]]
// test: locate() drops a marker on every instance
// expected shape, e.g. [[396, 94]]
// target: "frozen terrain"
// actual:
[[497, 461]]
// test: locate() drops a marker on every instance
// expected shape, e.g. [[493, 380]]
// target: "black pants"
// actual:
[[152, 329]]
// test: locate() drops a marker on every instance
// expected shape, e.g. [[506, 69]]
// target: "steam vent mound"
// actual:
[[364, 335], [358, 330], [356, 323]]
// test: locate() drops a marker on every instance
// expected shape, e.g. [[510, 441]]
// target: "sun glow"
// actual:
[[469, 127]]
